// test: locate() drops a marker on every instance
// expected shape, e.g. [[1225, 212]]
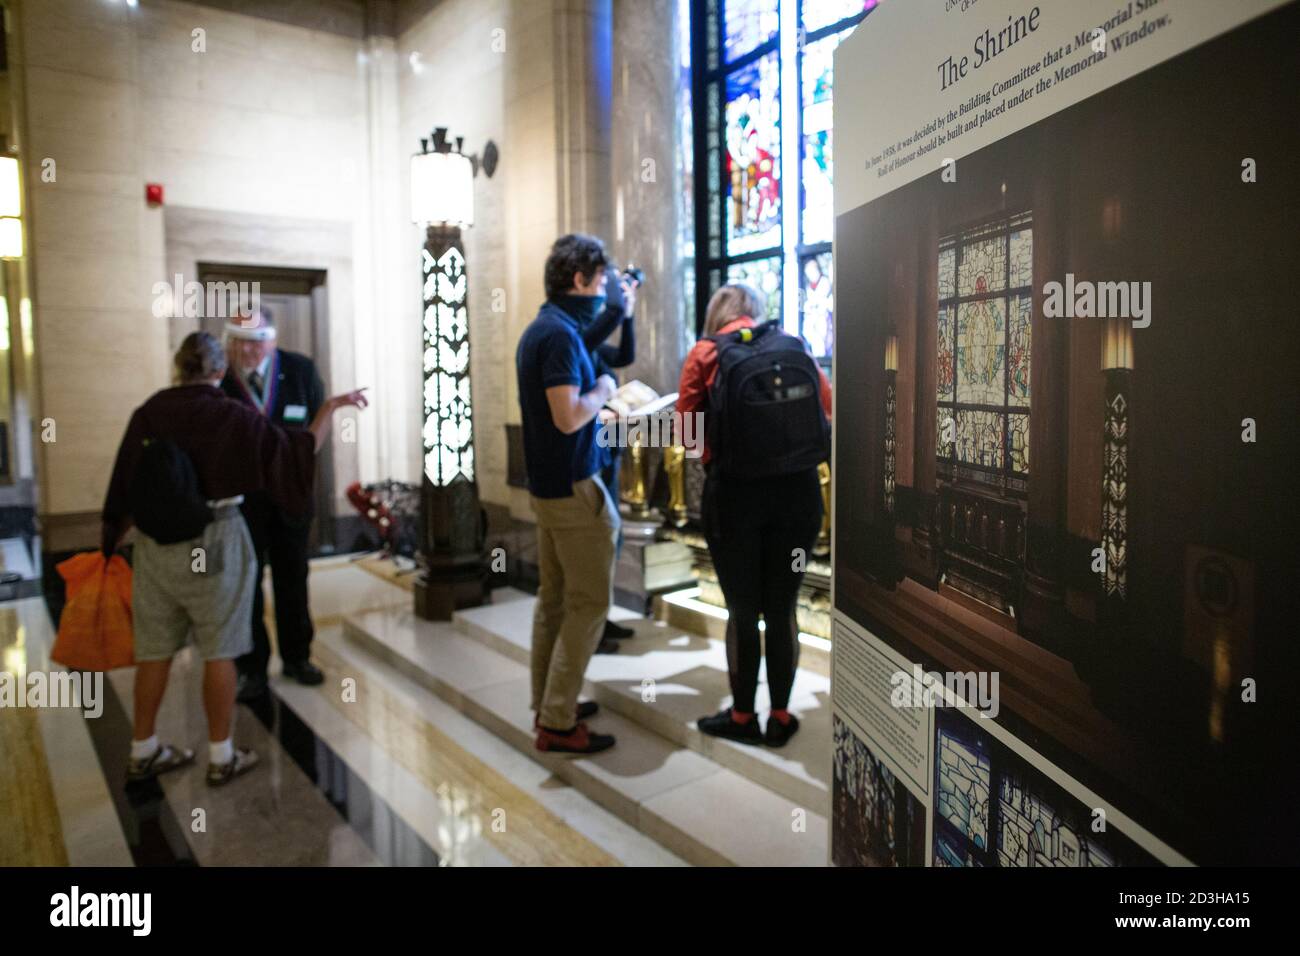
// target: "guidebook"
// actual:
[[637, 399]]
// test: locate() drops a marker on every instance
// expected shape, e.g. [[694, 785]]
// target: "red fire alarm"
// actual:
[[153, 194]]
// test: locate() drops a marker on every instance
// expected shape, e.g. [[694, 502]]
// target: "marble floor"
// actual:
[[52, 780], [417, 751], [709, 801], [368, 769]]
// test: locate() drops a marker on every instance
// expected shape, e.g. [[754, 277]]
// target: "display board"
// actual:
[[1065, 526]]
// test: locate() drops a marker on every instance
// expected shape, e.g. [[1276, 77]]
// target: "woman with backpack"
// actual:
[[189, 455], [766, 428]]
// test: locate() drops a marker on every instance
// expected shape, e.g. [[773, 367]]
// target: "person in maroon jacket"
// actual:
[[204, 587]]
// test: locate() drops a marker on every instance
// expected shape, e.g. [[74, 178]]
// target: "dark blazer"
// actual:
[[298, 388], [299, 392]]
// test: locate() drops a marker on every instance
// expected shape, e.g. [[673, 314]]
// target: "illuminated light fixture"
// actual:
[[11, 208], [453, 572], [1117, 345], [10, 189], [11, 238]]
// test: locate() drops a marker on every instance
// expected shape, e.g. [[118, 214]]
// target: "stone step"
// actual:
[[438, 768], [688, 675], [705, 813]]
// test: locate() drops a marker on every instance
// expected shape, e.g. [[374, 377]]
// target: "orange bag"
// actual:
[[95, 630]]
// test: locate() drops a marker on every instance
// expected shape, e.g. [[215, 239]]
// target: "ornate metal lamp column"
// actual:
[[1117, 364], [453, 573], [891, 421], [889, 568]]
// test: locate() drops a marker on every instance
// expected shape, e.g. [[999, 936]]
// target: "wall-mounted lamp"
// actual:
[[453, 573], [442, 179], [1117, 345]]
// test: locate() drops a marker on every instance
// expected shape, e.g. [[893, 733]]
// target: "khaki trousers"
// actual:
[[575, 557]]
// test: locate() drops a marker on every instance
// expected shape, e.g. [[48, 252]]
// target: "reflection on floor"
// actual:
[[417, 750], [19, 577], [26, 797], [708, 801], [52, 782], [412, 783]]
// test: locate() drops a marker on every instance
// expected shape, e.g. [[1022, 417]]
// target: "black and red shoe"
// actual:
[[779, 732], [579, 740], [722, 724]]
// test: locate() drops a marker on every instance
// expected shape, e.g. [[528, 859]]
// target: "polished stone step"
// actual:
[[688, 672], [695, 807], [448, 777]]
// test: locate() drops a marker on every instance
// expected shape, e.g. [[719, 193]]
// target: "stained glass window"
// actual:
[[762, 153], [823, 13], [818, 212], [685, 158], [817, 305], [749, 24], [982, 344], [964, 787], [981, 352], [753, 129], [765, 276]]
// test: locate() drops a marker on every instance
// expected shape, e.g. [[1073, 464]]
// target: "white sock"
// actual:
[[221, 751], [144, 749]]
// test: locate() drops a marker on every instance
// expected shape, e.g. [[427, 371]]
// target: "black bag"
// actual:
[[765, 408], [165, 500]]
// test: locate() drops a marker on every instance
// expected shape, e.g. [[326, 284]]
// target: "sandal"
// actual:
[[164, 758], [243, 761]]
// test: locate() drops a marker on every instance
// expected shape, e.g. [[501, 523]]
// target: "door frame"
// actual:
[[283, 280]]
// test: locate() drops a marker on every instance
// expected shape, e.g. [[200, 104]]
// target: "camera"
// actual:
[[633, 273]]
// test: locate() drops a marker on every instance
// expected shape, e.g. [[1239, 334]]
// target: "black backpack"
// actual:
[[765, 407], [165, 500]]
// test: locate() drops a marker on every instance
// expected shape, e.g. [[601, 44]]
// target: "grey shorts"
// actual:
[[202, 587]]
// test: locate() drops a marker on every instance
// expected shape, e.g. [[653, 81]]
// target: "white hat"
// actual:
[[255, 328]]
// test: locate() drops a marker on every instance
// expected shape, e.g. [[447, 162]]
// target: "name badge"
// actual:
[[295, 413]]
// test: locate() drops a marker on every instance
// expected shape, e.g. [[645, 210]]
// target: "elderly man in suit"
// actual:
[[286, 388]]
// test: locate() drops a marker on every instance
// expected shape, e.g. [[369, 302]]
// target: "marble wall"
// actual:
[[250, 116], [294, 125], [647, 192], [534, 77]]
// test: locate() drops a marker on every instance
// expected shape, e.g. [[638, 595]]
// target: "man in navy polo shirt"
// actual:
[[561, 398]]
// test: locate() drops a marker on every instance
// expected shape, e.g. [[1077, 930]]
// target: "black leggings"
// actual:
[[759, 532]]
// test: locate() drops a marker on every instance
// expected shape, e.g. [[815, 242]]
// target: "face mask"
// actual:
[[584, 308]]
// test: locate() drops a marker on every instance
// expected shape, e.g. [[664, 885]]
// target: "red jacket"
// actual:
[[702, 367]]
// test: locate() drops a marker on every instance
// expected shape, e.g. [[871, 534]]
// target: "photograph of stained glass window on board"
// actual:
[[993, 809], [879, 822], [983, 345]]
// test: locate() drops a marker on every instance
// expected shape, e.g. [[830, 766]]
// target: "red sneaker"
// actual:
[[579, 740]]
